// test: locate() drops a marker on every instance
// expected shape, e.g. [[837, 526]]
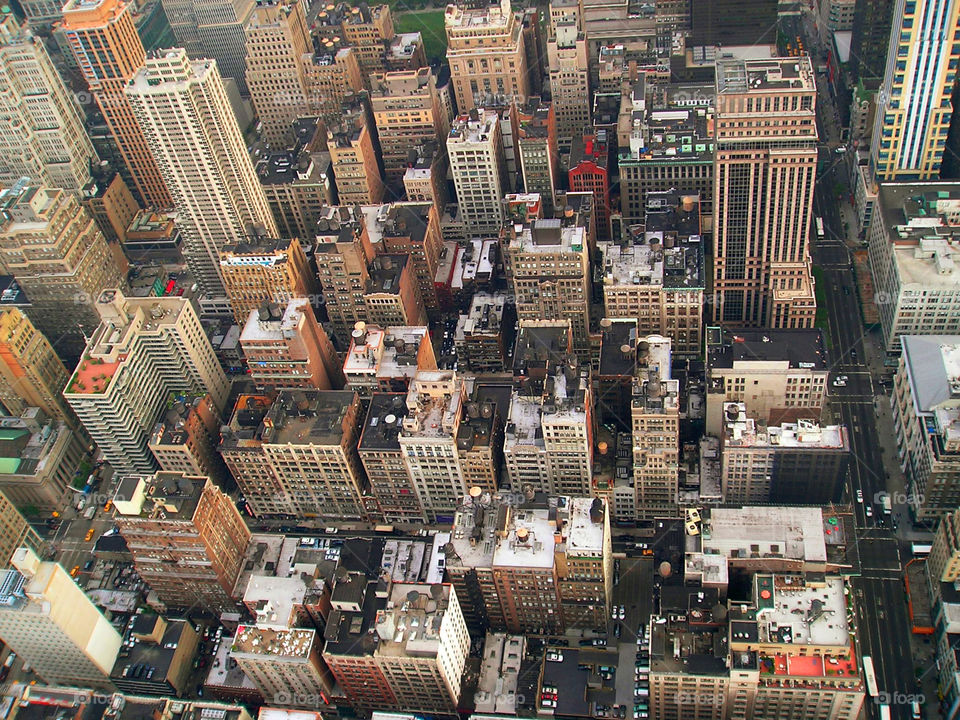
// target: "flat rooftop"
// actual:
[[791, 532], [618, 347], [302, 417], [780, 74], [933, 369], [497, 687], [794, 612], [274, 598], [466, 129], [171, 493], [745, 432], [547, 236], [433, 404], [252, 640], [795, 349], [381, 429], [262, 326], [385, 272], [585, 532], [410, 623]]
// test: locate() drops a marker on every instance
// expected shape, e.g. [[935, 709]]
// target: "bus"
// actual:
[[870, 676], [820, 233], [920, 549]]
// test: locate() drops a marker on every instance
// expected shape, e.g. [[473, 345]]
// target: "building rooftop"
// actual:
[[307, 417], [546, 236], [796, 612], [268, 324], [242, 431], [789, 532], [727, 349], [26, 443], [108, 349], [384, 354], [618, 347], [780, 74], [11, 294], [689, 636], [273, 600], [410, 623], [475, 128], [497, 687], [161, 495], [385, 273], [287, 643], [433, 405], [743, 432], [484, 317], [171, 430], [585, 532], [540, 343], [933, 369], [381, 430]]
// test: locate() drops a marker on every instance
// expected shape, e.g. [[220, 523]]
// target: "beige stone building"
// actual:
[[60, 259], [763, 201], [15, 531], [185, 439], [186, 116], [48, 621], [943, 563], [285, 347], [186, 536], [42, 134], [315, 432], [143, 349], [264, 270], [353, 157], [407, 113], [331, 74], [780, 375], [478, 166], [277, 39], [569, 76], [369, 29], [488, 61]]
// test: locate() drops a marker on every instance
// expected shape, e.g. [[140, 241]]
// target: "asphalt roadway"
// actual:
[[882, 621]]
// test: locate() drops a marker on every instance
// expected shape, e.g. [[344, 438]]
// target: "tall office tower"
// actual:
[[569, 76], [213, 29], [405, 647], [185, 438], [332, 74], [764, 173], [186, 536], [31, 374], [589, 171], [41, 460], [781, 375], [353, 156], [669, 144], [382, 460], [59, 257], [428, 439], [655, 420], [407, 113], [479, 170], [943, 563], [655, 272], [143, 349], [285, 347], [801, 463], [277, 39], [485, 49], [184, 112], [926, 419], [914, 106], [414, 229], [537, 148], [315, 431], [46, 619], [548, 268], [104, 41], [342, 254], [263, 269], [871, 39], [42, 135], [297, 180]]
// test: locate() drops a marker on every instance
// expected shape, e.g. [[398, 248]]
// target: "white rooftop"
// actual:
[[814, 615], [584, 537], [275, 598], [797, 532], [529, 543], [256, 329]]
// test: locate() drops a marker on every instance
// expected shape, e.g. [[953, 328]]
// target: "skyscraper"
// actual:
[[61, 260], [48, 620], [479, 170], [277, 39], [41, 129], [913, 106], [765, 169], [184, 112], [108, 50], [143, 349], [870, 40], [569, 75]]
